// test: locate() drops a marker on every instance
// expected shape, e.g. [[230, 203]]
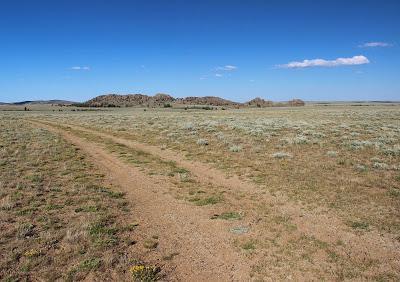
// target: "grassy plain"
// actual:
[[323, 202], [59, 219]]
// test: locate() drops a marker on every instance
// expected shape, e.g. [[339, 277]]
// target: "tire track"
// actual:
[[204, 245], [322, 224]]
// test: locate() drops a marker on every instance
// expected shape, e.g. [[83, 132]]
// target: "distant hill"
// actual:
[[259, 103], [40, 102], [165, 100], [205, 101], [43, 102], [129, 100], [158, 100]]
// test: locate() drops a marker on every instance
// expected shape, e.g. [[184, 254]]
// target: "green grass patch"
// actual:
[[88, 209], [394, 192], [360, 225], [150, 243], [206, 201], [228, 216], [90, 264], [248, 246]]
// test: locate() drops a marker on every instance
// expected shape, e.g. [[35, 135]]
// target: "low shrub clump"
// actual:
[[235, 148], [144, 273], [202, 142], [281, 155]]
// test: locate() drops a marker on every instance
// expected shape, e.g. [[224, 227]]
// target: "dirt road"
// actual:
[[202, 246], [205, 246]]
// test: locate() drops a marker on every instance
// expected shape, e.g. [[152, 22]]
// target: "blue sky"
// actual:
[[238, 50]]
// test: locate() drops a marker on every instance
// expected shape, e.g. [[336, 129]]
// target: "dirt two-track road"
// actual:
[[202, 245], [204, 249]]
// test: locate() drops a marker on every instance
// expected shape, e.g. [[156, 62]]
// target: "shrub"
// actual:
[[235, 148], [150, 244], [189, 126], [202, 142], [360, 168], [331, 154], [220, 136], [144, 273], [300, 140], [281, 155], [378, 165]]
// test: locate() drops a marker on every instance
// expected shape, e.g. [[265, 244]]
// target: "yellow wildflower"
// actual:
[[136, 268], [31, 253]]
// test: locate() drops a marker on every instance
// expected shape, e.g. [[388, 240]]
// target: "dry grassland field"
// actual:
[[303, 193]]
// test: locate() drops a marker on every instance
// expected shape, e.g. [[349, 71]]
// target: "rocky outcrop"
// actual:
[[114, 100], [207, 100], [259, 103], [165, 100], [296, 103]]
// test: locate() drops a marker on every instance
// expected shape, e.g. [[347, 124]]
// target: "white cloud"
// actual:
[[222, 71], [80, 68], [227, 68], [356, 60], [375, 44]]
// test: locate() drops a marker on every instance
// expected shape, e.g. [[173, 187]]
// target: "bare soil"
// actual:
[[204, 247]]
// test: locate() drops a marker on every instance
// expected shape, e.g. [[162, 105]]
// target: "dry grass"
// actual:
[[336, 157], [58, 219], [341, 162]]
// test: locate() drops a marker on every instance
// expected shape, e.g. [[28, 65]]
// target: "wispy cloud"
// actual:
[[356, 60], [226, 68], [80, 68], [221, 71], [375, 44]]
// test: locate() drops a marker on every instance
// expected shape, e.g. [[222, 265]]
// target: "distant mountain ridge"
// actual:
[[40, 102], [159, 100], [165, 100]]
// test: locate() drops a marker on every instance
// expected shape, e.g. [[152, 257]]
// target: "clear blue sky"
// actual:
[[234, 49]]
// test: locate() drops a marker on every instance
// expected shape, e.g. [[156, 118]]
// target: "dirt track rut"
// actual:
[[206, 244]]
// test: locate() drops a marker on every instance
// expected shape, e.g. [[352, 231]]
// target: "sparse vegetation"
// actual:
[[144, 273], [359, 225], [315, 169], [57, 223], [250, 245], [206, 201], [202, 142], [281, 155], [150, 243], [227, 216], [235, 148], [332, 154]]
